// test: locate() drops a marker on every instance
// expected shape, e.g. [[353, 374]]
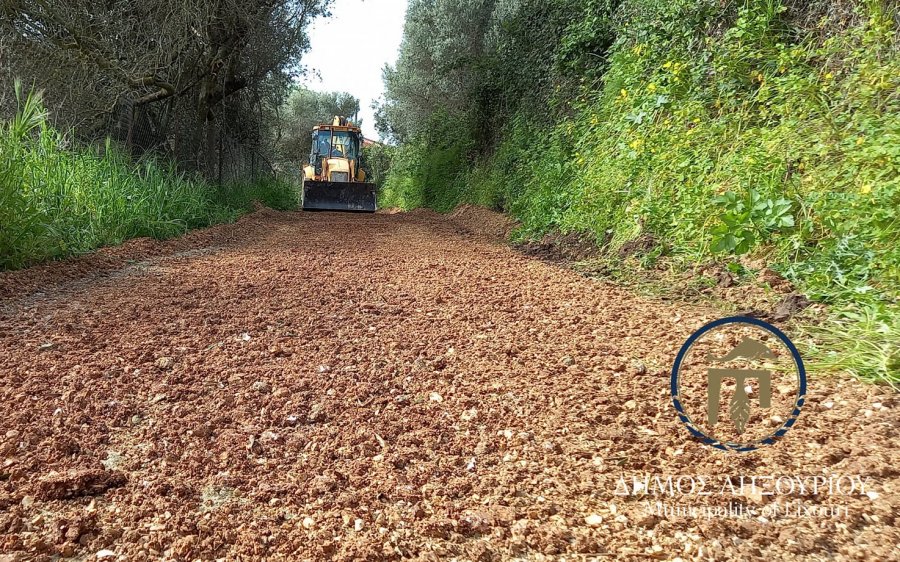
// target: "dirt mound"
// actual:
[[78, 483], [484, 223], [638, 246], [561, 248], [305, 386]]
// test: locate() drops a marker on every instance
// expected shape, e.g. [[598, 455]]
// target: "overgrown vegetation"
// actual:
[[59, 199], [163, 116], [762, 133]]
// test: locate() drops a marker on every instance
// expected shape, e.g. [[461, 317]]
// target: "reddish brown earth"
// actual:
[[337, 386]]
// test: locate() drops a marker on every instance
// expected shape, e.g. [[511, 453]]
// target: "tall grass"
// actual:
[[863, 341], [59, 199]]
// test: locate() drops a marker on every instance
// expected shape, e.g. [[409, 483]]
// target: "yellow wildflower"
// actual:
[[859, 141], [866, 189], [651, 87]]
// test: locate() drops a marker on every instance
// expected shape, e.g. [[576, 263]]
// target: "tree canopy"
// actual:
[[178, 63], [305, 109]]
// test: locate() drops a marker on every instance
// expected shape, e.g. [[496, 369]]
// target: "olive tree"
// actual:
[[180, 63]]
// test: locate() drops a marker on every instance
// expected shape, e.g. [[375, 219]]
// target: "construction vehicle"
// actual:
[[334, 180]]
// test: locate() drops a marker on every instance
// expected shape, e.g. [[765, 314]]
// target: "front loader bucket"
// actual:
[[338, 196]]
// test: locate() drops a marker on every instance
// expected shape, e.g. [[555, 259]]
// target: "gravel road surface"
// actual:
[[338, 386]]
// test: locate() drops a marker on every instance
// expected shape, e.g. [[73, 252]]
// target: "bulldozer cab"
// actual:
[[328, 143]]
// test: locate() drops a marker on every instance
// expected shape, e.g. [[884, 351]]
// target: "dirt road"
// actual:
[[315, 386]]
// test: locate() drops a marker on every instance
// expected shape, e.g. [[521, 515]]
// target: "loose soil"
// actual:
[[349, 387]]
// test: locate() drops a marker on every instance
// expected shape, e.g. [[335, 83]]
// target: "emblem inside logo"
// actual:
[[738, 383]]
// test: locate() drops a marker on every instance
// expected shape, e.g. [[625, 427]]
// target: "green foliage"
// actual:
[[376, 161], [482, 60], [303, 110], [237, 199], [744, 220], [864, 341], [431, 171], [716, 130], [58, 200]]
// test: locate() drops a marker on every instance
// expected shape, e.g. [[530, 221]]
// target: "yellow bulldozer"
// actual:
[[334, 180]]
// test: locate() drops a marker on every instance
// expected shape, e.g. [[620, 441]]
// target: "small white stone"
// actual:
[[308, 522], [435, 397], [593, 520], [358, 525], [105, 554]]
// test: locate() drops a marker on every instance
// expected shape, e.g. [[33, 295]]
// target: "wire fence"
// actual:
[[222, 147]]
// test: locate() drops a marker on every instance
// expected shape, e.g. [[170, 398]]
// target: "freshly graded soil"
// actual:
[[338, 386]]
